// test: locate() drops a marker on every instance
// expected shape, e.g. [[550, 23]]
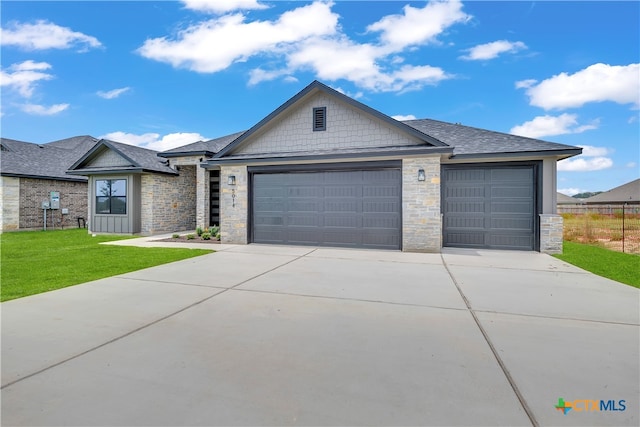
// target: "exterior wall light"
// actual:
[[421, 175], [232, 180]]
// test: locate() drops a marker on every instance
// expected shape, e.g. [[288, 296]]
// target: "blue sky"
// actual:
[[164, 74]]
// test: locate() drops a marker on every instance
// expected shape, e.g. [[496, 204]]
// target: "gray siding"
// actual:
[[123, 224]]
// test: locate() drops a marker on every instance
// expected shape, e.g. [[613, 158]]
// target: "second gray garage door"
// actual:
[[489, 207], [344, 208]]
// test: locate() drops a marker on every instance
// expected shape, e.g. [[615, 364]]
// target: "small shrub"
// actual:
[[176, 236], [206, 236], [567, 215], [191, 236], [214, 230], [218, 236], [199, 231]]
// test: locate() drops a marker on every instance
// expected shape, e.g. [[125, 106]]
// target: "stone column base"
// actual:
[[551, 233]]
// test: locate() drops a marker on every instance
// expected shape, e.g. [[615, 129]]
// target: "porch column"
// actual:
[[202, 197]]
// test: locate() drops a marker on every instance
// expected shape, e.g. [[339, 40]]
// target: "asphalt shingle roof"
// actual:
[[211, 146], [626, 193], [46, 161], [468, 140], [139, 158]]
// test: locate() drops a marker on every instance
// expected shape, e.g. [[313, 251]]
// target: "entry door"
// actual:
[[348, 208], [489, 207]]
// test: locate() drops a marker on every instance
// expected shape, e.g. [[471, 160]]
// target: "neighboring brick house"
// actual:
[[326, 170], [30, 172]]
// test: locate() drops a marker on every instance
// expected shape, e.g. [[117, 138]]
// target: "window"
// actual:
[[320, 118], [111, 196]]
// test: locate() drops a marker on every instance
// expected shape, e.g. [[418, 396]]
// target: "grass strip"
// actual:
[[39, 261], [618, 266]]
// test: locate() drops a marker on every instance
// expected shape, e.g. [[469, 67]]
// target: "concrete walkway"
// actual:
[[274, 335]]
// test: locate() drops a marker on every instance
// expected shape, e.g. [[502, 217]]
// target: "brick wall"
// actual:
[[10, 207], [421, 216], [234, 211], [168, 203], [347, 127], [73, 196], [551, 227]]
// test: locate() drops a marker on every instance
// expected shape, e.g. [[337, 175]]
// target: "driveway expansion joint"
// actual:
[[571, 319], [505, 370], [350, 299], [145, 326]]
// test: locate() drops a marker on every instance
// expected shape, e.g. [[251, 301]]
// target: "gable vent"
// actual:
[[320, 118]]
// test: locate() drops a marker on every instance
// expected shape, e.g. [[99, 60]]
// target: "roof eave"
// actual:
[[332, 156], [561, 154], [55, 178], [87, 172], [186, 154]]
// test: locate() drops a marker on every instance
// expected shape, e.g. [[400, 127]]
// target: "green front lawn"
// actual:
[[39, 261], [624, 268]]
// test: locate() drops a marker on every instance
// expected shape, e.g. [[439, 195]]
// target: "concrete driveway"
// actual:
[[271, 335]]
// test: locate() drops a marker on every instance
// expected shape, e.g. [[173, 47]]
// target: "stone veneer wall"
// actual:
[[234, 212], [421, 216], [201, 184], [10, 207], [73, 196], [551, 228], [168, 202]]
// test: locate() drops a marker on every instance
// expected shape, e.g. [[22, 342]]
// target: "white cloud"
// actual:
[[591, 151], [552, 125], [631, 165], [310, 38], [41, 110], [205, 47], [580, 164], [596, 83], [222, 6], [402, 118], [43, 35], [524, 84], [341, 58], [24, 76], [112, 93], [571, 191], [492, 50], [153, 141], [417, 26]]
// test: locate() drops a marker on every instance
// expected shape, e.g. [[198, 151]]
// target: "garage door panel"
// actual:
[[342, 221], [495, 211], [342, 205], [512, 207], [464, 222], [509, 241], [520, 224], [391, 222], [512, 192], [465, 207], [351, 208], [467, 239]]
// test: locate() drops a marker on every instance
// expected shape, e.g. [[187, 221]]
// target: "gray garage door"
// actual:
[[350, 208], [489, 207]]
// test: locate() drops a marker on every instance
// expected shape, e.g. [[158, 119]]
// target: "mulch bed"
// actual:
[[183, 239]]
